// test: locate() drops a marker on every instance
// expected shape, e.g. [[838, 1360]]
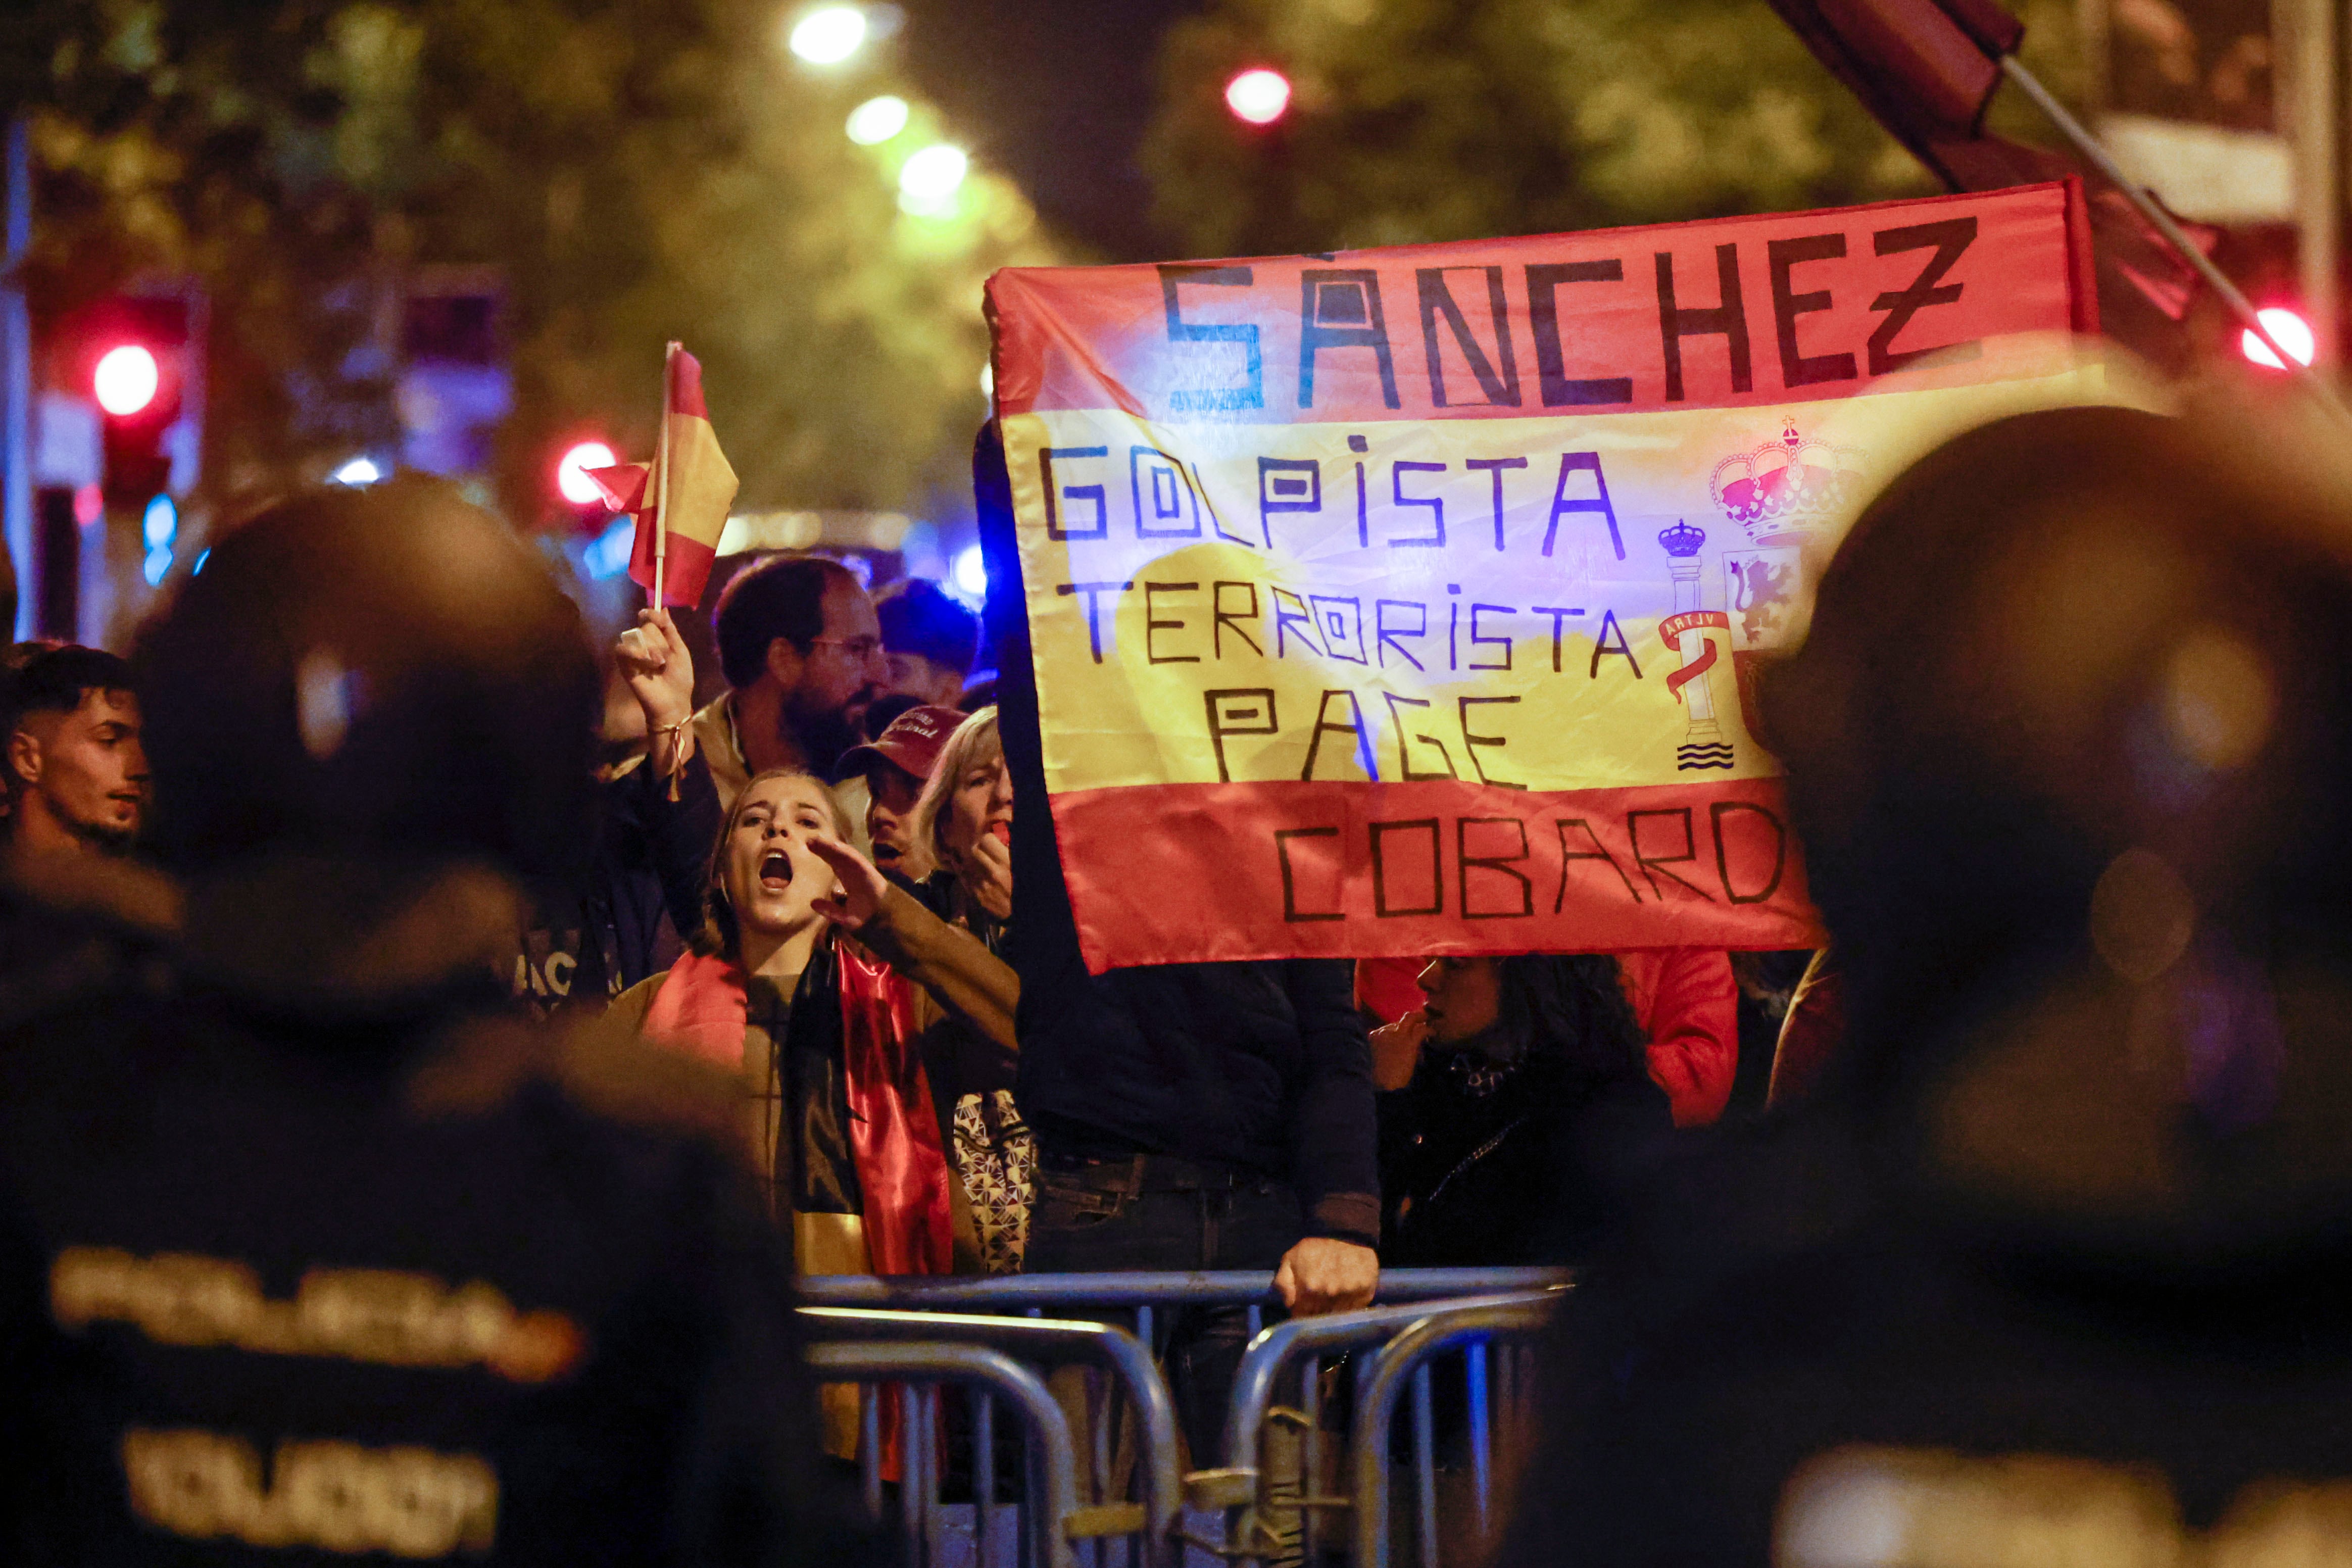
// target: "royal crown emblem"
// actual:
[[1681, 539], [1785, 489]]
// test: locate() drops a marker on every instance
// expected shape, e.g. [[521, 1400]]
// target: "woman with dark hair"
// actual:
[[1515, 1105]]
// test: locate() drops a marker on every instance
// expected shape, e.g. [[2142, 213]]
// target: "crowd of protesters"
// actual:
[[423, 973]]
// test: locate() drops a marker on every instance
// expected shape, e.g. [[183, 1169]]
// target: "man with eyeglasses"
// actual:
[[802, 651]]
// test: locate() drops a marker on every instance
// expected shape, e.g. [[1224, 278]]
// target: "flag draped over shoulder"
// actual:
[[685, 515]]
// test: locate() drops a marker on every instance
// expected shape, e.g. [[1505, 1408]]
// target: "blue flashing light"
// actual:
[[607, 556], [971, 573], [160, 523], [202, 556], [159, 561]]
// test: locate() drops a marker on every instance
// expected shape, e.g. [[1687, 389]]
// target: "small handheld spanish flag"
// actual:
[[680, 499]]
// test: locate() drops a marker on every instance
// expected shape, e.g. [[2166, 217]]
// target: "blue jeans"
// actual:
[[1156, 1213]]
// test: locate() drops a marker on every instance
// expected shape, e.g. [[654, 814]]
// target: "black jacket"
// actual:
[[1998, 1291], [1261, 1065], [586, 944], [1527, 1168], [281, 1280]]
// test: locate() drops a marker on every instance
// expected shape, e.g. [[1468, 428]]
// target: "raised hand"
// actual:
[[863, 887], [659, 670]]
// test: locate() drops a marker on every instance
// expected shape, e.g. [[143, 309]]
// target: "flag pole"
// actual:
[[661, 478]]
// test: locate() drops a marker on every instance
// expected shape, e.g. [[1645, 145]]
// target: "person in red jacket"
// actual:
[[1688, 1005], [1684, 998]]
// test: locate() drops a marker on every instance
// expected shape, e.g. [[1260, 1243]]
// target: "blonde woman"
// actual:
[[761, 993], [965, 819]]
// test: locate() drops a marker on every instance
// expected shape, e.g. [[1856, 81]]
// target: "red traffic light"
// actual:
[[126, 379], [571, 472], [1259, 96], [2287, 329]]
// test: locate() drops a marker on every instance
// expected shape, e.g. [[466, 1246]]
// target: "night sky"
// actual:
[[1056, 93]]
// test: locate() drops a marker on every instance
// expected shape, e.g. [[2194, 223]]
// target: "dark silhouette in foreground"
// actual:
[[2052, 1253]]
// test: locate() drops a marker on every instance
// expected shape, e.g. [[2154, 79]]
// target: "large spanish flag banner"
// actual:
[[1406, 602]]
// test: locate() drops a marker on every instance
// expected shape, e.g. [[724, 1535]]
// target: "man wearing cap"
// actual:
[[896, 765]]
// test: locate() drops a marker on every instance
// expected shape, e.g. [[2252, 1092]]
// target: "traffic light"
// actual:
[[2287, 329], [583, 508], [572, 480], [126, 379], [137, 348], [1258, 96], [159, 530]]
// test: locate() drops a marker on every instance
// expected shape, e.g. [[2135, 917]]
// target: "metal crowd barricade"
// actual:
[[1240, 1487], [1144, 1293], [1504, 1327], [962, 1310], [1150, 1523], [1052, 1491]]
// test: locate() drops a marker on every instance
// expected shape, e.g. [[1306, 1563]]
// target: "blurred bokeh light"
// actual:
[[2286, 329], [570, 473], [1259, 96], [126, 379], [878, 120], [829, 35], [929, 182]]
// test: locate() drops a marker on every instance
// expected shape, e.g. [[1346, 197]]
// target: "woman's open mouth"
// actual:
[[776, 871]]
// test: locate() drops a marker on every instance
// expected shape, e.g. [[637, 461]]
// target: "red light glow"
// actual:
[[1259, 96], [126, 379], [570, 477], [2286, 329]]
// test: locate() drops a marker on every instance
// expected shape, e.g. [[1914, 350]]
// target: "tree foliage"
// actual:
[[639, 170], [1432, 119]]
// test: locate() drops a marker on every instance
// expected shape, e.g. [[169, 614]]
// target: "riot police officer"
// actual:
[[309, 1250]]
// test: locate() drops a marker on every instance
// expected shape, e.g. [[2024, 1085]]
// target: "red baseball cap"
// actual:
[[912, 742]]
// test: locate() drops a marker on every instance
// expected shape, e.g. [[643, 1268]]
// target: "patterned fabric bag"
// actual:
[[998, 1157]]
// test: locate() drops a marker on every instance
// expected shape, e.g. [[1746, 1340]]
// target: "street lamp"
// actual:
[[878, 120], [829, 35], [929, 182]]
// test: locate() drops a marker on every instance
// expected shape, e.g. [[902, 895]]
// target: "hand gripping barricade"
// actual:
[[1165, 1522]]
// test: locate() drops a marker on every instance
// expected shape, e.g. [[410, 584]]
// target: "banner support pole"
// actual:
[[2103, 160]]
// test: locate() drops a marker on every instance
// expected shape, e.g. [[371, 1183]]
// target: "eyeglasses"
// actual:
[[859, 649]]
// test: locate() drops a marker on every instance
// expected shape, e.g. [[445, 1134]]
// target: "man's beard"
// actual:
[[821, 735], [106, 837]]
